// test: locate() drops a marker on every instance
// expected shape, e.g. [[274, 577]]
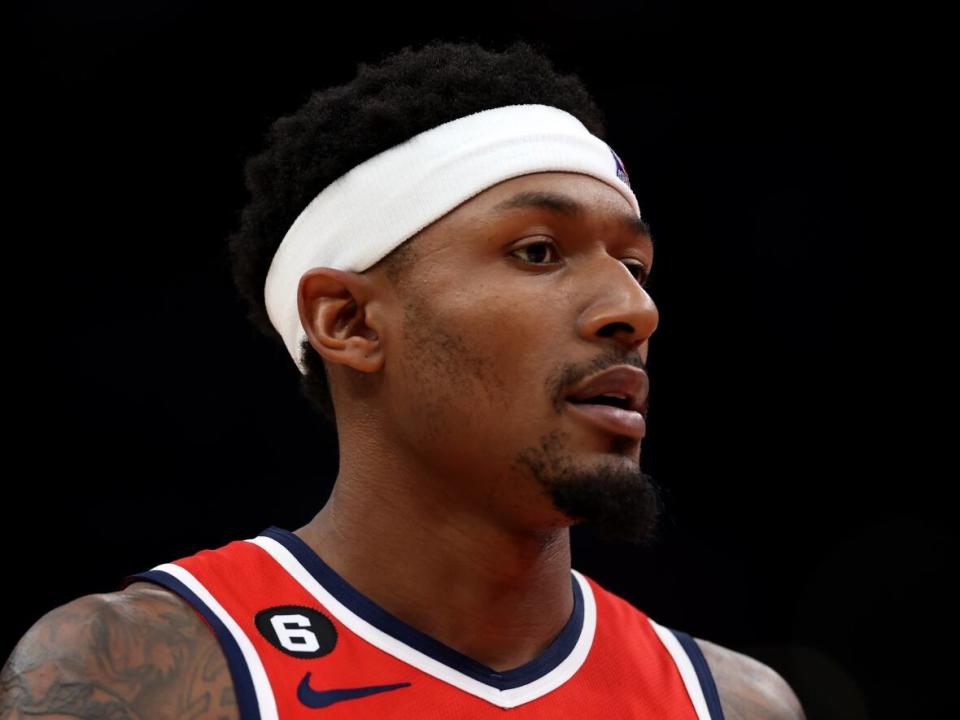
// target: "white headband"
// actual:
[[362, 216]]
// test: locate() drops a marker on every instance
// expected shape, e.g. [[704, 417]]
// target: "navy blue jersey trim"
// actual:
[[361, 605], [242, 682], [707, 684]]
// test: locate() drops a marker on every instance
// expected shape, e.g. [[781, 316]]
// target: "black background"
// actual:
[[798, 395]]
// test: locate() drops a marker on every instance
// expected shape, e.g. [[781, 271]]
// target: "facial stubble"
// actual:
[[611, 494]]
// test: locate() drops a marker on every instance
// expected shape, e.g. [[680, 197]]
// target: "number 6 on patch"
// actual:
[[297, 639], [299, 631]]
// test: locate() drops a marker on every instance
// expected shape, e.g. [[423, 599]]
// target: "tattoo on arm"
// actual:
[[123, 656]]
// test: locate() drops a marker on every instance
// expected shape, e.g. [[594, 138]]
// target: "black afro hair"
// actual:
[[387, 103]]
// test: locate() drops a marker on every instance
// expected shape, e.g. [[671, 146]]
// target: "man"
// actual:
[[456, 262]]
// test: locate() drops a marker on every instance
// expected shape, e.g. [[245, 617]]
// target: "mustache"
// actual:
[[570, 375]]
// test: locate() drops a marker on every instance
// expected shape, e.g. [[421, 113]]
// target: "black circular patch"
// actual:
[[298, 631]]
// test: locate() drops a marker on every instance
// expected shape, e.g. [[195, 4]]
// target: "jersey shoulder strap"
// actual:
[[653, 641], [224, 586]]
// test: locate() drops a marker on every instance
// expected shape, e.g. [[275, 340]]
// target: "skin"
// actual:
[[449, 394], [140, 653], [452, 427]]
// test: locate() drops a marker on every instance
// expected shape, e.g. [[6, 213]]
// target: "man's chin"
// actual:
[[606, 491], [619, 510]]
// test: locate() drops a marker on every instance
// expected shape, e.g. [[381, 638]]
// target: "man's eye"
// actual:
[[535, 245], [639, 270]]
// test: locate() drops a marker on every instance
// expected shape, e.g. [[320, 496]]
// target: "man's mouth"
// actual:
[[614, 400], [610, 417]]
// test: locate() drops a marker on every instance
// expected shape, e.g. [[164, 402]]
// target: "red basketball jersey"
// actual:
[[303, 643]]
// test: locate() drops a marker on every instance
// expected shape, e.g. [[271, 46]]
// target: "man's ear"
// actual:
[[334, 310]]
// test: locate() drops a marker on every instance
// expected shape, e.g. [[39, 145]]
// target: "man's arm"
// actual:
[[748, 689], [134, 655]]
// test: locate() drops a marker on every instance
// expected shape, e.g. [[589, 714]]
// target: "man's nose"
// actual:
[[620, 306]]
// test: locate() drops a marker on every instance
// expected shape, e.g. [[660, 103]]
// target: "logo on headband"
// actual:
[[621, 170]]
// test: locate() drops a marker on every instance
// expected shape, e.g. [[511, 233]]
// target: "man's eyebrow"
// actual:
[[565, 205]]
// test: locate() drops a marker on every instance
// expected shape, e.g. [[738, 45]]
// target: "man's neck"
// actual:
[[493, 595]]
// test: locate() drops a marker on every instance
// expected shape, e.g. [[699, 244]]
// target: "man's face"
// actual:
[[506, 310]]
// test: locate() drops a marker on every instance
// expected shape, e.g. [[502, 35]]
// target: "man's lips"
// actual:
[[612, 419], [625, 380], [627, 387]]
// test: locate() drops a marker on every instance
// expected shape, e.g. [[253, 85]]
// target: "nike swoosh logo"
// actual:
[[322, 698]]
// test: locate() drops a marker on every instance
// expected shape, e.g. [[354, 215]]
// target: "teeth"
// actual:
[[614, 395]]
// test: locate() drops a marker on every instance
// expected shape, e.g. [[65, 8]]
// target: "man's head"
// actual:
[[460, 348]]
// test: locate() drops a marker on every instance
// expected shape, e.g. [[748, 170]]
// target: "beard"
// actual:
[[613, 496]]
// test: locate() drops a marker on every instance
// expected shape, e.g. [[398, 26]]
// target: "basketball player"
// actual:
[[456, 263]]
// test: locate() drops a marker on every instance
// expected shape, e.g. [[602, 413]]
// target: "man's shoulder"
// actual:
[[139, 652], [748, 688]]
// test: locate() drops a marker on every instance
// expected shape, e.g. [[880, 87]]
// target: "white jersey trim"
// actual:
[[261, 685], [687, 671]]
